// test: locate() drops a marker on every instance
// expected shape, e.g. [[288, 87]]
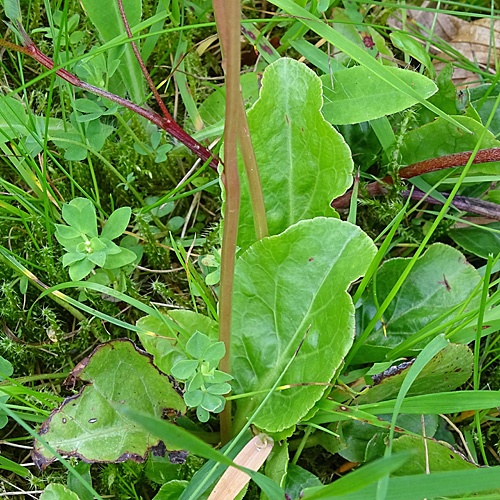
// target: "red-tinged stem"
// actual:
[[423, 167], [227, 17], [138, 56], [167, 124]]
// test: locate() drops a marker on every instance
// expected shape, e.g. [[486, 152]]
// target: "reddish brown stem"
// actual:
[[423, 167], [167, 124], [144, 70]]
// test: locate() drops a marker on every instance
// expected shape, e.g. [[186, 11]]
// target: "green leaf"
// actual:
[[106, 18], [72, 257], [284, 286], [68, 232], [357, 53], [80, 214], [438, 455], [303, 161], [117, 223], [90, 425], [98, 258], [211, 401], [171, 490], [12, 9], [88, 106], [9, 465], [440, 138], [413, 48], [440, 279], [81, 269], [446, 371], [184, 369], [6, 368], [214, 353], [359, 95], [123, 258], [478, 240], [161, 342], [197, 345], [56, 491], [75, 485], [298, 479], [487, 105], [193, 398]]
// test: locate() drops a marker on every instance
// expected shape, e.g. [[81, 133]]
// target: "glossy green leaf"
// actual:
[[446, 371], [161, 342], [359, 95], [90, 426], [106, 18], [304, 163], [477, 240], [441, 279], [277, 464], [56, 491], [414, 48], [284, 286], [441, 456], [117, 223]]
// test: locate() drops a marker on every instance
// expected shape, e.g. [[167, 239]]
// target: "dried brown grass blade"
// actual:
[[252, 456]]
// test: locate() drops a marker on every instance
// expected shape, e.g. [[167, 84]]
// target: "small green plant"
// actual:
[[205, 385], [84, 248]]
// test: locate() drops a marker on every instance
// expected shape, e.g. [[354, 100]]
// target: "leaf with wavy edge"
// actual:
[[304, 163], [284, 285]]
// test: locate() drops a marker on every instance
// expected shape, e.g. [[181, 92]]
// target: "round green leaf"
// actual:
[[284, 286], [90, 426], [193, 398], [197, 344], [123, 258], [359, 95], [304, 163]]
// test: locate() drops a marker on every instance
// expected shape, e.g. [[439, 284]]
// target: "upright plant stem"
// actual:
[[227, 16], [252, 172]]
